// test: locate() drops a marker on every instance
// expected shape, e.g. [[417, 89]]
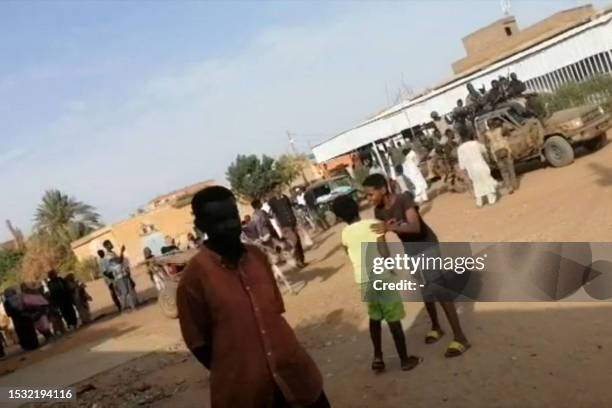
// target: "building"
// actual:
[[167, 215], [177, 194], [573, 45], [172, 219], [503, 37]]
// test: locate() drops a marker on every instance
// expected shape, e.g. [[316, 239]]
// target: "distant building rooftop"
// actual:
[[503, 37], [169, 198]]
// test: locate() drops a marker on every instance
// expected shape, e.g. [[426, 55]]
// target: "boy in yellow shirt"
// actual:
[[356, 233]]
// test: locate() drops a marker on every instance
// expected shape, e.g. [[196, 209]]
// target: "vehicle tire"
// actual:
[[596, 143], [166, 299], [330, 218], [558, 151]]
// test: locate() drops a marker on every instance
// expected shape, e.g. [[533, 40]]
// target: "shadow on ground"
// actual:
[[604, 174], [526, 357]]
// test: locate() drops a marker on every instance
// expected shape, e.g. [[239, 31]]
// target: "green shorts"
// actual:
[[388, 311]]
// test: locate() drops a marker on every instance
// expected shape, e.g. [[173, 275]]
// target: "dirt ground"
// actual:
[[523, 354]]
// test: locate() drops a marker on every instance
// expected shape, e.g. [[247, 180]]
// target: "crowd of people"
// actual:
[[396, 220], [453, 152], [56, 305], [48, 309], [280, 224], [228, 298]]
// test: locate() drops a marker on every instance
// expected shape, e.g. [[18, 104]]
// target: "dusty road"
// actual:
[[523, 355]]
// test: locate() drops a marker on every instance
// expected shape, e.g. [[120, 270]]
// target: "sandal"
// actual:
[[411, 363], [378, 365], [433, 336], [456, 349]]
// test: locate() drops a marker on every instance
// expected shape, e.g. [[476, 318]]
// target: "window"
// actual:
[[508, 31]]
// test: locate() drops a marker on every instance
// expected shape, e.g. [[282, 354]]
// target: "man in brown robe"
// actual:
[[230, 312]]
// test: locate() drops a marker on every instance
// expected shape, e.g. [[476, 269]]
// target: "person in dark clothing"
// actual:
[[494, 96], [24, 326], [263, 225], [231, 317], [460, 119], [283, 211], [249, 228], [516, 87], [61, 296]]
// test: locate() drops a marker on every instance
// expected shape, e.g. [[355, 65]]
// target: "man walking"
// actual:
[[471, 156], [412, 171], [281, 207], [230, 313]]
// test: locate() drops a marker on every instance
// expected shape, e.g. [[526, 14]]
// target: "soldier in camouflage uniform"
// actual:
[[499, 148]]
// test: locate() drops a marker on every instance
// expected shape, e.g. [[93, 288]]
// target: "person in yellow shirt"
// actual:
[[380, 307]]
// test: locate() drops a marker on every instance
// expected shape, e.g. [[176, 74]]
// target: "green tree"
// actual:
[[252, 177], [597, 90], [9, 267], [43, 254], [290, 167], [64, 219]]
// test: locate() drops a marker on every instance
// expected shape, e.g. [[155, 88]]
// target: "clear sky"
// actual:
[[117, 102]]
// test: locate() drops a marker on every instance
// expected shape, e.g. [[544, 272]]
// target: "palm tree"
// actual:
[[64, 219]]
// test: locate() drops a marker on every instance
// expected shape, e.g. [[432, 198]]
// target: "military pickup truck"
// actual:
[[552, 139]]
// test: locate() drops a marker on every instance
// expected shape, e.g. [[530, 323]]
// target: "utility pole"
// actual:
[[295, 153]]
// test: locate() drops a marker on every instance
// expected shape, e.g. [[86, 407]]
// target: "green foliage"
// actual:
[[63, 219], [84, 271], [597, 90], [290, 167], [251, 177], [10, 262], [43, 254]]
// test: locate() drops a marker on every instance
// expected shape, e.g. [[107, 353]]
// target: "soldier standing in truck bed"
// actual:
[[460, 120], [516, 87], [498, 146]]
